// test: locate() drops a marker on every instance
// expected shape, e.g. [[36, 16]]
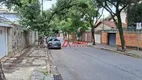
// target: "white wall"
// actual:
[[123, 17], [101, 27], [3, 42]]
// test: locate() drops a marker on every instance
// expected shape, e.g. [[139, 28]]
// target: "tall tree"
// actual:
[[92, 15], [134, 13], [119, 5], [69, 13]]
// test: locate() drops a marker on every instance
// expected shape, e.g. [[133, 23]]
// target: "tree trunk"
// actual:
[[119, 26], [92, 30]]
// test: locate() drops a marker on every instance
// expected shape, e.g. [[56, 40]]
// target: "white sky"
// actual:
[[47, 4]]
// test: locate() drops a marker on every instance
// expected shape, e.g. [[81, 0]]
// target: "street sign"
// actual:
[[139, 26]]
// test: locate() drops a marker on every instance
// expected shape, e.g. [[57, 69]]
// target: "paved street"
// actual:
[[93, 64]]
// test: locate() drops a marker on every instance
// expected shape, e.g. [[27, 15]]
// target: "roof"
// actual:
[[98, 32], [4, 20], [111, 24], [5, 25], [6, 11]]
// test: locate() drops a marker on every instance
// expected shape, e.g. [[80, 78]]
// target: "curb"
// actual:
[[53, 69], [124, 53]]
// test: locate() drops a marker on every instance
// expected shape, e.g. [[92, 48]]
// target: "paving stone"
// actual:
[[38, 75], [39, 62]]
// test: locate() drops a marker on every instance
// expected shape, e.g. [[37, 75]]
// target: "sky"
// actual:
[[47, 4]]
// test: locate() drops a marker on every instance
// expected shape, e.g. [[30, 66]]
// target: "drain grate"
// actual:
[[58, 77]]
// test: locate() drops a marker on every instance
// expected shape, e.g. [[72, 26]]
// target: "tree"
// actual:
[[92, 15], [119, 5], [70, 15], [134, 14]]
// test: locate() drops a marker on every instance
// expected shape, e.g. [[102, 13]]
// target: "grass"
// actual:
[[45, 73]]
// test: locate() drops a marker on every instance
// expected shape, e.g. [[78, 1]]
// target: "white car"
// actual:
[[54, 43]]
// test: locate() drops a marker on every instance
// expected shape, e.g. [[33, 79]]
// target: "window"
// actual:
[[56, 40], [50, 40]]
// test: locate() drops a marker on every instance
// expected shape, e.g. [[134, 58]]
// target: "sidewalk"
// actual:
[[129, 52], [31, 65]]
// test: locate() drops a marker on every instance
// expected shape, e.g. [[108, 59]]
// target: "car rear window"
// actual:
[[50, 40], [56, 40]]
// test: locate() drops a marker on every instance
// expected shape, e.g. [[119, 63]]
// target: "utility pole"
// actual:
[[139, 27], [103, 22]]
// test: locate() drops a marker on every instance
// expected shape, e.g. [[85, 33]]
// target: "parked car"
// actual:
[[54, 43]]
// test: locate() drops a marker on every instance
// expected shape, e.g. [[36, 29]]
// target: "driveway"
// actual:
[[88, 63]]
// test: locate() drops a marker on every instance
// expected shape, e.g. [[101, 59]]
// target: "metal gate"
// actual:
[[112, 39], [3, 40]]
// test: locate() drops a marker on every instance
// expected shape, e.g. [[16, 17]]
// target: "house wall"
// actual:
[[87, 36], [98, 36], [123, 17], [102, 27], [19, 40]]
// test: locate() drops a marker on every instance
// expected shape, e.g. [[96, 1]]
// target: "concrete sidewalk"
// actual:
[[129, 52], [31, 65]]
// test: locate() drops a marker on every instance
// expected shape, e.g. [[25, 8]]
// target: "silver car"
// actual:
[[54, 43]]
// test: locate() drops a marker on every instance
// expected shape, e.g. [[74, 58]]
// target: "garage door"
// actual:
[[112, 39], [98, 38], [2, 42]]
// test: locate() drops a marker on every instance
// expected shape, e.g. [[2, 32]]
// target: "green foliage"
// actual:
[[75, 16], [135, 14], [30, 14], [69, 14]]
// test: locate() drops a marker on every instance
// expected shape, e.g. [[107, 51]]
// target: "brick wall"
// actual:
[[104, 38], [131, 39]]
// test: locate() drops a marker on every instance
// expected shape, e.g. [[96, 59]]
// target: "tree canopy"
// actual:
[[134, 14]]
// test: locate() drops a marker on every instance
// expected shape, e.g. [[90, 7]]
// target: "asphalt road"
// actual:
[[93, 64]]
